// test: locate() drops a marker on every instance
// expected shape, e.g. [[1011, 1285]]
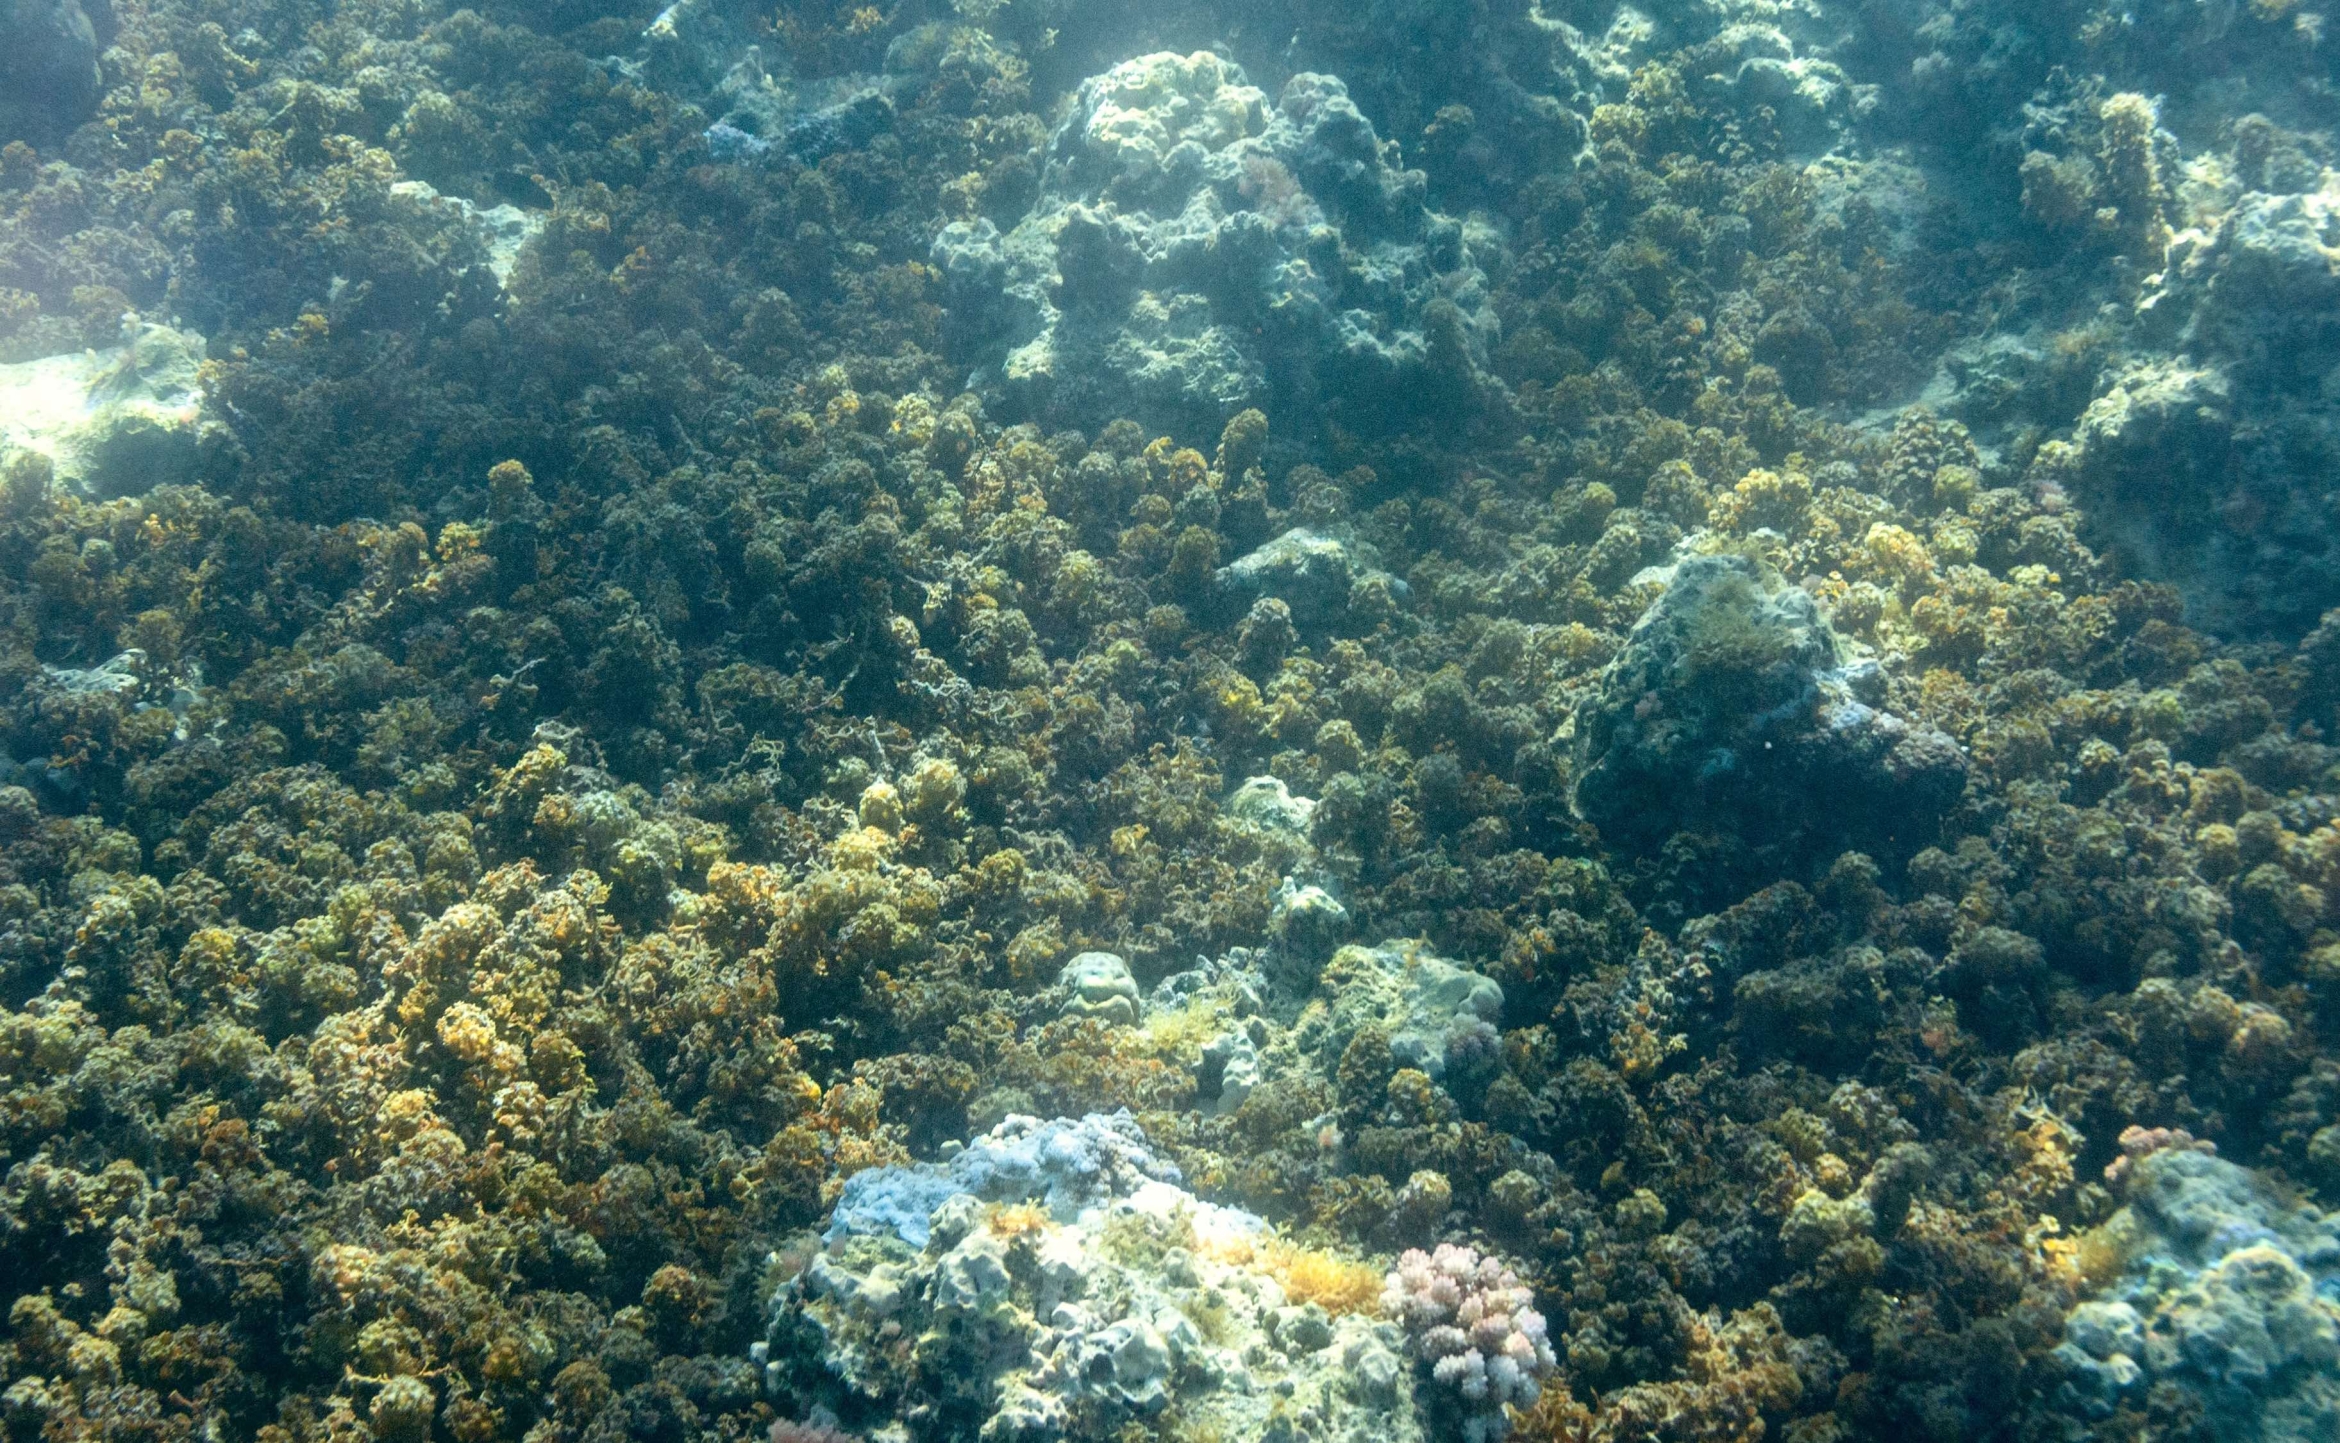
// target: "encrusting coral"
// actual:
[[2213, 1283], [1101, 1296]]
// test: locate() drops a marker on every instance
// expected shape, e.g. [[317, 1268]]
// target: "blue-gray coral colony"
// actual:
[[1014, 721]]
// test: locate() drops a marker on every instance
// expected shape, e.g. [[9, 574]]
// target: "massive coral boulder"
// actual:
[[2225, 1293], [1098, 984], [2262, 280], [1198, 249], [2159, 464], [1315, 574], [1053, 1281], [1734, 712]]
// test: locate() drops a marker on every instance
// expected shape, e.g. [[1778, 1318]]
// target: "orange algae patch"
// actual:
[[1334, 1283], [1014, 1220]]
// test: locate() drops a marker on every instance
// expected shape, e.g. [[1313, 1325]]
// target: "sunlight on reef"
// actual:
[[114, 421]]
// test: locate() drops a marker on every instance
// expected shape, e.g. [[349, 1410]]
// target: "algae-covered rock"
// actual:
[[1314, 573], [114, 422], [504, 228], [1734, 711], [1023, 1313], [1198, 249], [1268, 803], [1307, 922], [1422, 1002]]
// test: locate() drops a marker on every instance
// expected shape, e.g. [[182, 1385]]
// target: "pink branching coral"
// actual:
[[1472, 1320], [2138, 1143]]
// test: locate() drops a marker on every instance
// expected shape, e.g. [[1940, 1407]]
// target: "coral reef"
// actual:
[[680, 674]]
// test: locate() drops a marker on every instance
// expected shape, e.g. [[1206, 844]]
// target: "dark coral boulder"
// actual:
[[1734, 714], [49, 81]]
